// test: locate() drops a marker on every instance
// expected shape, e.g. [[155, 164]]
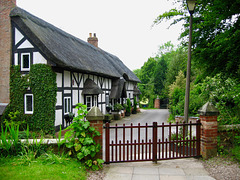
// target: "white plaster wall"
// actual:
[[110, 84], [18, 36], [74, 84], [104, 109], [67, 91], [15, 58], [59, 79], [25, 44], [75, 97], [103, 97], [58, 117], [59, 99], [67, 79], [38, 58]]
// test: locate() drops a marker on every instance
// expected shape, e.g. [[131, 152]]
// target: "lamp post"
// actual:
[[191, 6]]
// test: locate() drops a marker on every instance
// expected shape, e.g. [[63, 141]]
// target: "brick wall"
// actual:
[[5, 48]]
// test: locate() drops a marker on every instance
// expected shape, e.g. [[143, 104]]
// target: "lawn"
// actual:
[[48, 166]]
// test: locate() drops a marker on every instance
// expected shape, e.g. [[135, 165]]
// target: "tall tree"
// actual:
[[160, 76], [216, 34]]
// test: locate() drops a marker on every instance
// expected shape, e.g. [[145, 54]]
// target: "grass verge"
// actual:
[[47, 166]]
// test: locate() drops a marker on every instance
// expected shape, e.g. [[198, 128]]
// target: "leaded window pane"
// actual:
[[29, 103], [26, 61]]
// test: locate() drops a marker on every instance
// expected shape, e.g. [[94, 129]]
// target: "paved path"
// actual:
[[146, 116], [179, 169]]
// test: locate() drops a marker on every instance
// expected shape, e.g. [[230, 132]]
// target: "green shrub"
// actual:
[[128, 110], [118, 107], [135, 105]]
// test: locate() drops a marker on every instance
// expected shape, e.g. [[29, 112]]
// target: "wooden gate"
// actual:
[[151, 142]]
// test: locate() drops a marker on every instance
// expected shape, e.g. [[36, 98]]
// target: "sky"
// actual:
[[123, 27]]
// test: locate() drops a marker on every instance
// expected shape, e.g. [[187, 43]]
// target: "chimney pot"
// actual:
[[93, 40]]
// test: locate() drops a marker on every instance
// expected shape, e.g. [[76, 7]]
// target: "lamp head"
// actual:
[[191, 6]]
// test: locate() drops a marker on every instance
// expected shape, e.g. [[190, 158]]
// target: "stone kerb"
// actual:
[[95, 117], [209, 130]]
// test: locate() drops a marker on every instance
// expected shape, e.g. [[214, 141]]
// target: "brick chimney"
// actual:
[[5, 49], [93, 40]]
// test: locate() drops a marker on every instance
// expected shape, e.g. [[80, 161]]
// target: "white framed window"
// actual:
[[89, 102], [25, 62], [28, 103], [67, 105]]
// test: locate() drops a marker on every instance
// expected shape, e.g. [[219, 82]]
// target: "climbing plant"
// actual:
[[18, 87], [44, 88], [42, 82]]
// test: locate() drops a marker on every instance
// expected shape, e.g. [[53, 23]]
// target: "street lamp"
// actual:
[[191, 6]]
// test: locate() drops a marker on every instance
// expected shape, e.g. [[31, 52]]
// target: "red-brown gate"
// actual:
[[151, 142]]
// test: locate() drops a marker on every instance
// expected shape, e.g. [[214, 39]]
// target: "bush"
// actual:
[[135, 106], [118, 107], [129, 106]]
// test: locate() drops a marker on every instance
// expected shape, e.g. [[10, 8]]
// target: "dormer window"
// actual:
[[25, 62]]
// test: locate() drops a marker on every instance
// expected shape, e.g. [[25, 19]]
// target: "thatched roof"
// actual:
[[118, 89], [67, 51], [91, 87]]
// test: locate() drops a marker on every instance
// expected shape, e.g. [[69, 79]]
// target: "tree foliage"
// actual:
[[216, 34]]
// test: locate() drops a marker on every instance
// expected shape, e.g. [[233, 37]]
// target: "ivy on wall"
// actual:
[[44, 88], [42, 82], [18, 87]]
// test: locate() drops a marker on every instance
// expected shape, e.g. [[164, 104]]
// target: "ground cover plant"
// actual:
[[70, 159], [47, 166]]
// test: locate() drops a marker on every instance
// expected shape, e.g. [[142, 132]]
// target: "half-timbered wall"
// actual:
[[70, 84], [21, 46], [129, 89]]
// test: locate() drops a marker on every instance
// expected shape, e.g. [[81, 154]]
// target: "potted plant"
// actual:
[[117, 111], [129, 106], [125, 107], [134, 106]]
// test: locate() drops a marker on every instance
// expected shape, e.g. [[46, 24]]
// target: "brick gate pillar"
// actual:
[[209, 130], [95, 117], [157, 103]]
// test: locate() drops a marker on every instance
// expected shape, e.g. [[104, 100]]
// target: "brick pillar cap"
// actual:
[[208, 109], [95, 114]]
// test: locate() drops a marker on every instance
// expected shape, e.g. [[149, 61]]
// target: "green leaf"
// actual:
[[88, 141], [77, 147], [83, 134], [69, 145], [86, 124], [80, 156], [89, 163], [85, 151]]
